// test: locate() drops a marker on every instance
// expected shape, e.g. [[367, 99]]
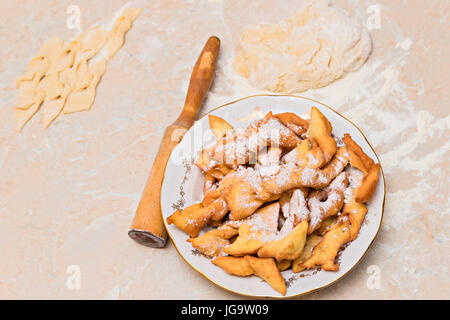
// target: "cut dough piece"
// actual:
[[36, 69], [51, 110], [96, 40], [52, 86], [91, 43], [52, 50], [84, 77], [43, 62], [83, 56], [132, 13], [27, 94], [67, 56], [83, 99], [80, 101], [62, 77], [116, 36], [22, 116]]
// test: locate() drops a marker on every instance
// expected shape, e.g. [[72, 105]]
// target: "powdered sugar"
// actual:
[[309, 175], [285, 172], [339, 183], [355, 177], [269, 162], [325, 201], [298, 207], [312, 160], [244, 145]]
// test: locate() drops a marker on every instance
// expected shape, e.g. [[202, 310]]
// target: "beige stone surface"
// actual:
[[68, 193]]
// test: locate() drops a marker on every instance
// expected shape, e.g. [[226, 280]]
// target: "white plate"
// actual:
[[183, 185]]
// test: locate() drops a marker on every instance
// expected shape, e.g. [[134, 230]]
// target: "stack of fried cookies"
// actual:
[[282, 193]]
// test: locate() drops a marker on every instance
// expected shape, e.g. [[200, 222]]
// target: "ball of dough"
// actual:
[[309, 50]]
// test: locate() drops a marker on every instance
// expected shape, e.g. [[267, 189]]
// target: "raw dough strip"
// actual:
[[22, 116], [30, 96], [82, 98], [44, 61], [59, 77], [116, 36]]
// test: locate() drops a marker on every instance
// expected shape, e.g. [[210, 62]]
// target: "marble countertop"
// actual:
[[68, 193]]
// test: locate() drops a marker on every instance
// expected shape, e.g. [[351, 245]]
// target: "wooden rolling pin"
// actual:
[[148, 227]]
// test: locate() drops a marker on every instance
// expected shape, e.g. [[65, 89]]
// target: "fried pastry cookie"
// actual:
[[214, 241], [248, 242], [239, 148], [325, 252], [293, 122], [311, 242], [248, 265], [254, 230], [368, 166], [219, 126], [192, 219], [288, 247], [319, 132], [326, 202]]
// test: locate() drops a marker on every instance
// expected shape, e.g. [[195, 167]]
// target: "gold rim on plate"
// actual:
[[315, 289]]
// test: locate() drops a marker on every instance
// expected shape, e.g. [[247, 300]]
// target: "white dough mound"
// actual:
[[310, 50]]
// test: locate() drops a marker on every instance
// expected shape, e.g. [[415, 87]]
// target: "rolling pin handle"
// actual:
[[147, 227]]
